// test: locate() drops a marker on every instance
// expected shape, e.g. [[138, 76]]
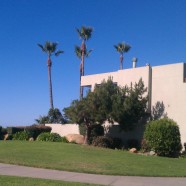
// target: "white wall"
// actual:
[[168, 86], [64, 129]]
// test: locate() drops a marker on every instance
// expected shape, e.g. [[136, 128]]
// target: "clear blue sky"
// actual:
[[156, 30]]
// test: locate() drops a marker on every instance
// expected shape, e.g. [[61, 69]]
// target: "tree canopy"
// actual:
[[124, 105]]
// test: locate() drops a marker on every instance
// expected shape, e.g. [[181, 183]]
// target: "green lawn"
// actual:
[[81, 158], [19, 181]]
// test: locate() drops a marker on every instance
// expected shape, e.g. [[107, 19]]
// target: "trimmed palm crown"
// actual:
[[122, 48], [50, 48], [85, 33]]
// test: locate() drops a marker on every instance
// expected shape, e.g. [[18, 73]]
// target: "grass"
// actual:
[[81, 158], [19, 181]]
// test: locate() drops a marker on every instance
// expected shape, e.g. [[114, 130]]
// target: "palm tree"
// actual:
[[122, 48], [84, 33], [50, 49], [79, 53]]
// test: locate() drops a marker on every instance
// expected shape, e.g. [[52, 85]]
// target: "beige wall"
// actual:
[[64, 129], [168, 86], [164, 84]]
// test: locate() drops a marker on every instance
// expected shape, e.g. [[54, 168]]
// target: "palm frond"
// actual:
[[59, 52], [85, 33], [42, 48], [122, 47], [87, 53], [78, 52], [50, 48]]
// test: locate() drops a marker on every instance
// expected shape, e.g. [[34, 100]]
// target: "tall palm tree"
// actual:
[[79, 53], [50, 48], [84, 33], [122, 48]]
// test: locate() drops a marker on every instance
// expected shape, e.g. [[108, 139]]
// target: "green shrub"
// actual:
[[22, 135], [107, 142], [35, 130], [13, 130], [117, 143], [52, 137], [163, 137], [64, 140], [102, 141], [96, 130], [144, 146]]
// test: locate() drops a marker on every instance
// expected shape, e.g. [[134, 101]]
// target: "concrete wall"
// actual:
[[63, 130], [165, 84], [168, 86]]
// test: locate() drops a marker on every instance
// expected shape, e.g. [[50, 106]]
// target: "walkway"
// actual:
[[15, 170]]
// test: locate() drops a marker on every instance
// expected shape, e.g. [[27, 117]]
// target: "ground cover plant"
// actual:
[[89, 159], [20, 181]]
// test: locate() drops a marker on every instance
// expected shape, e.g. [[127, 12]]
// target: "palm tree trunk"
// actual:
[[50, 82], [83, 56], [82, 67], [121, 62], [81, 88]]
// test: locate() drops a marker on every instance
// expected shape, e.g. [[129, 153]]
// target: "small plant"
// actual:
[[163, 137], [22, 135], [35, 130], [144, 146], [102, 141], [64, 140], [52, 137]]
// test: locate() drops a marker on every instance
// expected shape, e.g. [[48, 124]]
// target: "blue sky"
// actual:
[[156, 30]]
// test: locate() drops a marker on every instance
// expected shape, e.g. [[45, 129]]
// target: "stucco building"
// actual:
[[166, 84]]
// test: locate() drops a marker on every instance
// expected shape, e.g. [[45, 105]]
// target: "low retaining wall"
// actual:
[[64, 129]]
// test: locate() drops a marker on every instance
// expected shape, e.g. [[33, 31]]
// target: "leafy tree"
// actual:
[[79, 54], [125, 105], [50, 48], [130, 106], [122, 48], [84, 33], [54, 116]]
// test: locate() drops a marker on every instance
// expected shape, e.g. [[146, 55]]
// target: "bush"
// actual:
[[35, 130], [96, 130], [13, 130], [64, 140], [163, 137], [117, 143], [52, 137], [102, 141], [144, 146], [23, 135]]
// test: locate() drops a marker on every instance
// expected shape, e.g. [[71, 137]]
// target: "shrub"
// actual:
[[117, 143], [13, 130], [35, 130], [144, 146], [163, 137], [52, 137], [22, 135], [96, 130], [64, 140], [102, 141]]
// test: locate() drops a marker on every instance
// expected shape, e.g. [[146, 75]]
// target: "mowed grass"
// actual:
[[87, 159], [20, 181]]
